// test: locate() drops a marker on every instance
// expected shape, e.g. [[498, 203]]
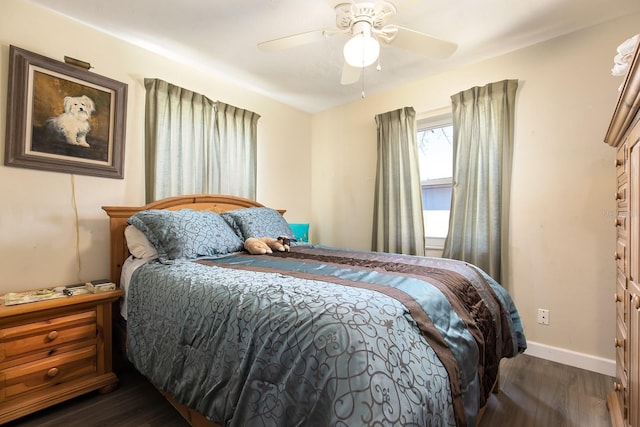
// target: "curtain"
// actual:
[[483, 119], [235, 159], [195, 145], [398, 226]]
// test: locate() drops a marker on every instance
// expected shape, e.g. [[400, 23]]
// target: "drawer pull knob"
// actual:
[[618, 222], [618, 196], [636, 302], [617, 386], [618, 162], [617, 342], [52, 372], [52, 335], [616, 297], [616, 256]]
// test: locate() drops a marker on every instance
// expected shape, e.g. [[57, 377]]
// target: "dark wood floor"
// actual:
[[537, 393], [135, 403], [533, 393]]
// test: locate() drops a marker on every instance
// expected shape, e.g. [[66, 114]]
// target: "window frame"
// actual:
[[439, 118]]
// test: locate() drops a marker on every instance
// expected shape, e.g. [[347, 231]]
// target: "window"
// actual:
[[435, 145]]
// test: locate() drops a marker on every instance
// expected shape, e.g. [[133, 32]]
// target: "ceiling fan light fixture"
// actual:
[[361, 50]]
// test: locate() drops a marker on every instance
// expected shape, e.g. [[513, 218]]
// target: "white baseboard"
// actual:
[[572, 358]]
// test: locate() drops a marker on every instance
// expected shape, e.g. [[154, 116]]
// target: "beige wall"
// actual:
[[38, 226], [562, 223], [562, 234]]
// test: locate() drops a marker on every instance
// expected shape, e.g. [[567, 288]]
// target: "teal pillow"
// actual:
[[186, 234], [301, 231], [258, 222]]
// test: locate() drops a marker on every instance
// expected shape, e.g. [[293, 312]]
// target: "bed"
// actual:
[[311, 336]]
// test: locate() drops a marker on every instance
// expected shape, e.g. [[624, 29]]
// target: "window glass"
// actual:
[[435, 145], [436, 152]]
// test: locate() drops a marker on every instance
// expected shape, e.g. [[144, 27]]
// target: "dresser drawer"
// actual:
[[621, 195], [18, 341], [622, 375], [52, 371], [620, 343], [621, 224], [620, 388], [620, 297], [620, 255], [621, 160]]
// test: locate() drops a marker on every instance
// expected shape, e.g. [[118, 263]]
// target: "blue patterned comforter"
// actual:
[[322, 337]]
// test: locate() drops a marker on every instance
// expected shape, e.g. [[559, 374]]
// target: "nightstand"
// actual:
[[54, 350]]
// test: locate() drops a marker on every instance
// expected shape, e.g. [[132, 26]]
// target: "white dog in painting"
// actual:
[[73, 124]]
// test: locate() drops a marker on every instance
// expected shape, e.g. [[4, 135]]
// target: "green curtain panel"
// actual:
[[398, 225], [196, 145], [483, 120], [235, 155]]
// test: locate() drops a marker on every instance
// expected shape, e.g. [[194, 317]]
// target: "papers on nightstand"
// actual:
[[13, 298]]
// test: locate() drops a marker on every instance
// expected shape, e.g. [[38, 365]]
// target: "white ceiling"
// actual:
[[222, 36]]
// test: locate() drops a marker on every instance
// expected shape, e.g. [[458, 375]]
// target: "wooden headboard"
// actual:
[[118, 216]]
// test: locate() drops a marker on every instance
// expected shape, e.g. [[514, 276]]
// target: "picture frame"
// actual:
[[63, 118]]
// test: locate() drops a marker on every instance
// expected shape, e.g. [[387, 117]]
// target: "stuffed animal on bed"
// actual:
[[266, 245]]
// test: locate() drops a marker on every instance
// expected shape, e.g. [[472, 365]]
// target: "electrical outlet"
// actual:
[[543, 316]]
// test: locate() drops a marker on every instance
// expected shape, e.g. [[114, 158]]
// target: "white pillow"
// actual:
[[138, 244]]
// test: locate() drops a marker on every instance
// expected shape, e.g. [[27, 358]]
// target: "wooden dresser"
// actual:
[[624, 136], [53, 350]]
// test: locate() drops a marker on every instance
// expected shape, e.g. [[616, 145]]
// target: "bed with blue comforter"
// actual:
[[319, 336]]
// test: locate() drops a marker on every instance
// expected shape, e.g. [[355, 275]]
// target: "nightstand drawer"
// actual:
[[46, 373], [23, 339], [54, 350]]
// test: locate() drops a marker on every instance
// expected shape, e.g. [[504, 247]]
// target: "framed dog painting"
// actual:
[[63, 118]]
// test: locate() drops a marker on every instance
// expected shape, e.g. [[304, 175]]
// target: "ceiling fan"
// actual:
[[366, 24]]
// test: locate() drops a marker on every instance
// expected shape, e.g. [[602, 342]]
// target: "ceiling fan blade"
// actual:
[[422, 43], [295, 40], [350, 74]]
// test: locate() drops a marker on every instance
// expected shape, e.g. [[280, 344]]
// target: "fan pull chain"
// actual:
[[363, 74], [363, 69], [378, 68]]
